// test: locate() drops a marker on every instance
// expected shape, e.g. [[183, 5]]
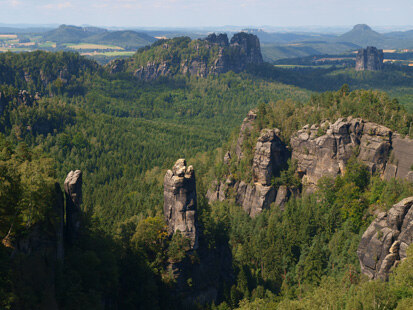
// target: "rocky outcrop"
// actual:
[[116, 66], [153, 70], [400, 162], [254, 198], [73, 194], [385, 241], [370, 59], [270, 157], [245, 131], [325, 149], [221, 39], [248, 50], [213, 55], [180, 204]]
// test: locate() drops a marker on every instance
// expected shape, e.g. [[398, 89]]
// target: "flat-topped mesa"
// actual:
[[323, 150], [180, 204], [73, 194], [370, 59], [385, 241]]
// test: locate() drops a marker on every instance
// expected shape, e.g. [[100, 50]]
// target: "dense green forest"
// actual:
[[123, 134]]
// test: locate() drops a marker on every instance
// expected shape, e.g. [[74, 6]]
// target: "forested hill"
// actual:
[[123, 133], [213, 55]]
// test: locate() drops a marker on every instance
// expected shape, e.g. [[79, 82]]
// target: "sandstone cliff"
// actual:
[[212, 267], [319, 150], [385, 241], [323, 150], [370, 59], [73, 193], [213, 55], [270, 157], [180, 204]]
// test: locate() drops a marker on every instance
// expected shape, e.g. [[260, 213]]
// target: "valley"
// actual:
[[195, 174]]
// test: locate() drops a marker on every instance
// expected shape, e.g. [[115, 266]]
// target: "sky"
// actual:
[[204, 13]]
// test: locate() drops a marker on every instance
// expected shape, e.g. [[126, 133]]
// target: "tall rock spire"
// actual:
[[73, 194], [180, 205]]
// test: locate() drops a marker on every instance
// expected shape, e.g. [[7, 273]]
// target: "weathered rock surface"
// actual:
[[369, 58], [324, 150], [385, 241], [73, 194], [270, 156], [180, 204]]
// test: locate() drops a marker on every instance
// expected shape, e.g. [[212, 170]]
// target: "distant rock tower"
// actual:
[[180, 205], [370, 59]]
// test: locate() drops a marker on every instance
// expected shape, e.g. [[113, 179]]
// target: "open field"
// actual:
[[8, 36], [88, 46]]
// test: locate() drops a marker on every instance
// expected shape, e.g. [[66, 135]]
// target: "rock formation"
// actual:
[[246, 129], [248, 48], [370, 59], [180, 204], [385, 241], [244, 49], [73, 193], [324, 150], [270, 156], [221, 39]]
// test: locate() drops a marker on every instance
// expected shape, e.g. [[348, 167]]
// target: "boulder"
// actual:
[[180, 204], [385, 241]]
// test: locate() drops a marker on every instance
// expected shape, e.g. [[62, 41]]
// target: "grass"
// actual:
[[47, 44], [88, 46]]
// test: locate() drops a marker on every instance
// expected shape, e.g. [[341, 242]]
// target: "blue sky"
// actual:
[[187, 13]]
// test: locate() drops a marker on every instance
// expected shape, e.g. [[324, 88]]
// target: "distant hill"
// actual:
[[127, 39], [362, 35], [72, 34], [279, 37]]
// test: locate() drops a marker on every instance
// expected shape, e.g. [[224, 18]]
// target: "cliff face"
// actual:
[[324, 150], [270, 156], [213, 55], [212, 267], [180, 204], [40, 250], [73, 193], [385, 241], [319, 150], [370, 59]]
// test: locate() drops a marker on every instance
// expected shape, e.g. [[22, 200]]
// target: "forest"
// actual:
[[124, 133]]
